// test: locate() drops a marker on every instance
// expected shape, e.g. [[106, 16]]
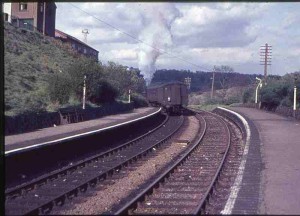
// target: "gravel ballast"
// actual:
[[104, 198]]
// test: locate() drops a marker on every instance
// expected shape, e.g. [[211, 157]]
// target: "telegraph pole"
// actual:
[[85, 32], [265, 59], [187, 81], [212, 85]]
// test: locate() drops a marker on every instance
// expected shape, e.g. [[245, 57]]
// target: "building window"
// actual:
[[23, 6], [73, 46], [26, 23], [6, 17], [84, 50]]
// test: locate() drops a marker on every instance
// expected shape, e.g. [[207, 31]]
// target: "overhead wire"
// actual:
[[140, 41]]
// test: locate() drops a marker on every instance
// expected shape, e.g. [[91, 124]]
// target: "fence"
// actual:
[[285, 111], [33, 121]]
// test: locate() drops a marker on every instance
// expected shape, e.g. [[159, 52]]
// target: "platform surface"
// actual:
[[280, 149], [19, 141]]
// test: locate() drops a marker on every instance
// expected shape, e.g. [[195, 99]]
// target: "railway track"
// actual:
[[186, 187], [41, 195]]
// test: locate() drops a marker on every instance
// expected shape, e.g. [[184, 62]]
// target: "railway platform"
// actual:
[[272, 172], [45, 136]]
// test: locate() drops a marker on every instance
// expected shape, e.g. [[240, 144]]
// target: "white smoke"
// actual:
[[158, 19]]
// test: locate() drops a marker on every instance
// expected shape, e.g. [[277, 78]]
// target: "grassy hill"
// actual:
[[29, 58]]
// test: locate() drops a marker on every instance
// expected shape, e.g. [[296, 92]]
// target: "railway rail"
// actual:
[[194, 182], [41, 195], [186, 187]]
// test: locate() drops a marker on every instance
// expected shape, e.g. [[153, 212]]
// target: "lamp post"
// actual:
[[84, 89], [212, 84], [295, 97], [256, 92], [129, 92]]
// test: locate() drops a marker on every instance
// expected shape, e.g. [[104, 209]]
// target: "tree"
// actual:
[[124, 78], [70, 82], [223, 74]]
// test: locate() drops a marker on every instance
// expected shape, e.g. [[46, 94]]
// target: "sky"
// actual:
[[188, 36]]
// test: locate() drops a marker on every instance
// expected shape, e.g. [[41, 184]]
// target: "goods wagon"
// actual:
[[172, 96]]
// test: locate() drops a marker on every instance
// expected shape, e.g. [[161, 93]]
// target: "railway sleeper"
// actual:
[[183, 183], [175, 195], [186, 189], [170, 203]]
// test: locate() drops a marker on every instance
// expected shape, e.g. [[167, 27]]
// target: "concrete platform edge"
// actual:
[[250, 171]]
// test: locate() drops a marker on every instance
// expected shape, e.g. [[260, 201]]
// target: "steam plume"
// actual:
[[157, 33]]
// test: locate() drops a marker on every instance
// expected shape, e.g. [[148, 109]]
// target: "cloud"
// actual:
[[202, 26], [124, 54], [205, 34]]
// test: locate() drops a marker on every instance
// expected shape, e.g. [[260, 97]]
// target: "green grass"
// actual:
[[29, 57]]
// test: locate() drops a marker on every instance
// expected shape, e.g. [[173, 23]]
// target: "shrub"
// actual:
[[248, 95], [59, 87], [214, 100], [138, 100], [103, 92], [232, 100]]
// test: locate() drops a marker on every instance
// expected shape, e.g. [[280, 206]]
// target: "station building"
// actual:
[[41, 16], [77, 45], [35, 15]]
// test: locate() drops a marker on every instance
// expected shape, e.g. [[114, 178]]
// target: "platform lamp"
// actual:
[[84, 90], [256, 92], [295, 97], [129, 92]]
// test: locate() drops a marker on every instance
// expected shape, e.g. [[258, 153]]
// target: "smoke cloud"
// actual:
[[157, 19]]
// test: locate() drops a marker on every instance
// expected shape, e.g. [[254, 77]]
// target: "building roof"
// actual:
[[75, 39]]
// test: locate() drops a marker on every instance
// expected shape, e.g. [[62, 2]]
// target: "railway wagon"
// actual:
[[172, 96]]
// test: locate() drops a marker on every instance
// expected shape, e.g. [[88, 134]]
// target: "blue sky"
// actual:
[[203, 34]]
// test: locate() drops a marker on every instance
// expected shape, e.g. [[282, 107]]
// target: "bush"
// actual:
[[103, 92], [59, 87], [248, 95], [213, 100], [286, 102], [138, 100], [232, 100], [273, 94]]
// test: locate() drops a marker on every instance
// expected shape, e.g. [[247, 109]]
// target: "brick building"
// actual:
[[7, 11], [39, 15], [77, 45]]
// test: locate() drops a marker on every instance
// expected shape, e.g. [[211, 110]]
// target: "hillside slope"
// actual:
[[28, 58]]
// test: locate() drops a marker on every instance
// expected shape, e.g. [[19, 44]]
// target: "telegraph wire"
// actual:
[[140, 41]]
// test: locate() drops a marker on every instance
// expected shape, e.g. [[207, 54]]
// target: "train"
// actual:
[[172, 96]]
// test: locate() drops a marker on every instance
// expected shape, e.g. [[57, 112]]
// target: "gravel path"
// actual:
[[102, 200]]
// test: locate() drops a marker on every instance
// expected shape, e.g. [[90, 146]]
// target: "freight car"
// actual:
[[172, 96]]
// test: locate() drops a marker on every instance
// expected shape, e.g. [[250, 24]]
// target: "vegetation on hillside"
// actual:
[[44, 74], [277, 92], [225, 77]]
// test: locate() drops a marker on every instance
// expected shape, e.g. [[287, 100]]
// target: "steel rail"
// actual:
[[60, 199], [55, 174], [207, 195], [132, 203]]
